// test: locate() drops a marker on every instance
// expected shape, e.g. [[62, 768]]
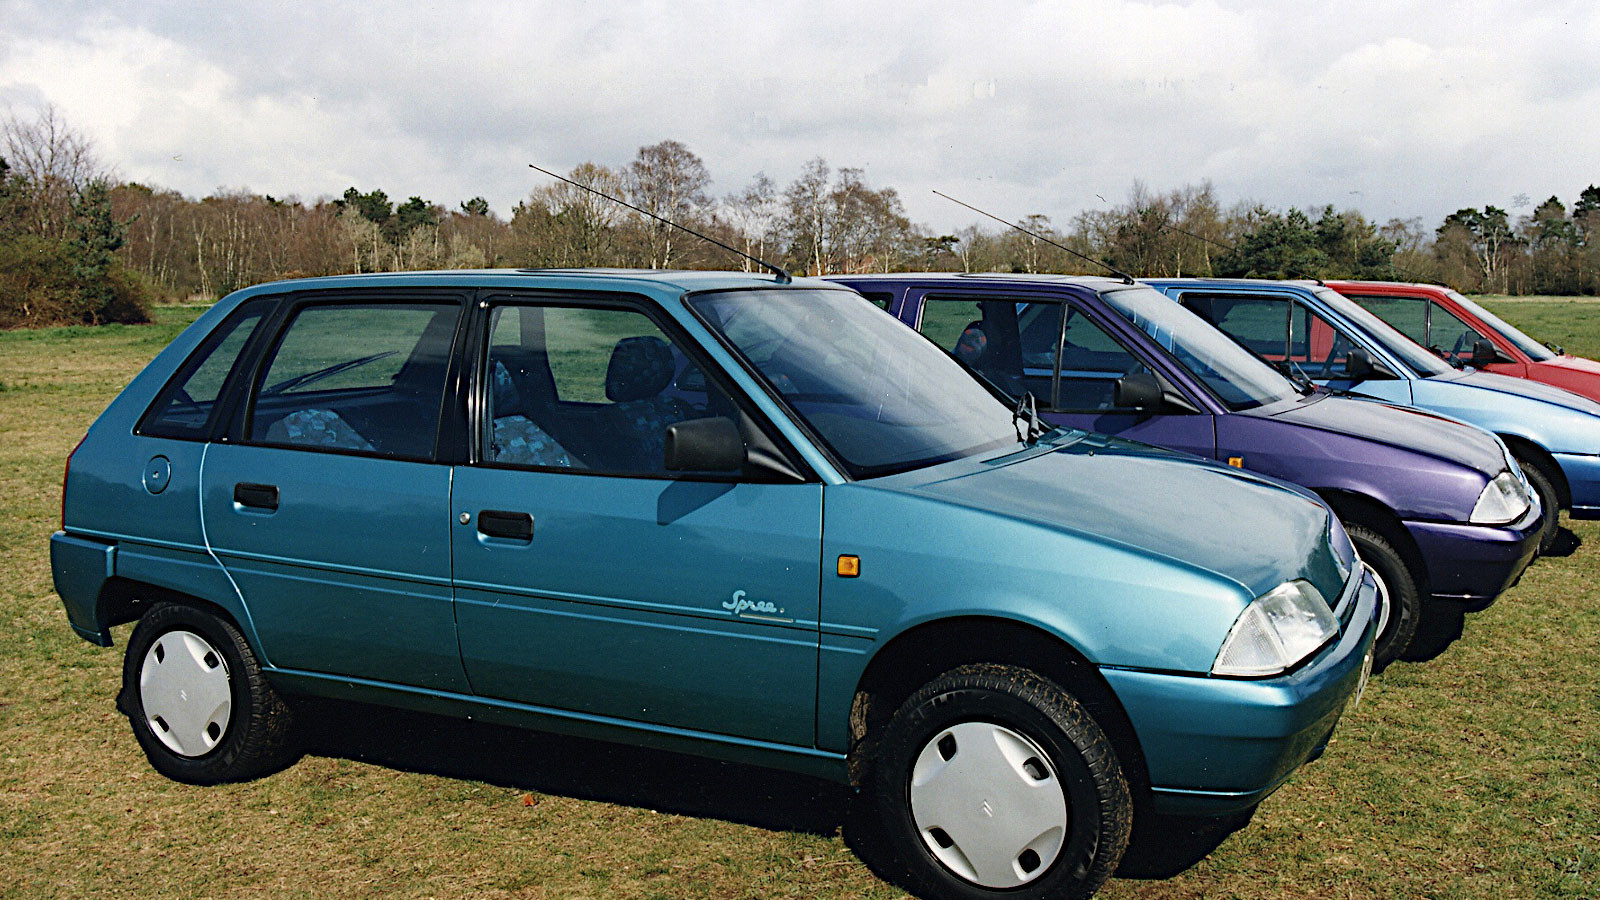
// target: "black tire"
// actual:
[[1099, 808], [1549, 500], [1405, 600], [256, 738]]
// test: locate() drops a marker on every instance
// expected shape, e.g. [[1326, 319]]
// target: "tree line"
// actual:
[[79, 245]]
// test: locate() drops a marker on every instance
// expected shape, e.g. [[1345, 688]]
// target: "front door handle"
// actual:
[[516, 526], [256, 496]]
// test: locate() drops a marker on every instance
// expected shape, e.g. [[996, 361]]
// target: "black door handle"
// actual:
[[499, 523], [256, 496]]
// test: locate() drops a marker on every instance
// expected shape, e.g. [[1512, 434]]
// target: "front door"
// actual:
[[327, 508], [591, 580]]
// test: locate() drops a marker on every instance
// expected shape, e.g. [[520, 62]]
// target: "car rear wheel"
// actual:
[[198, 702], [1399, 600], [992, 781]]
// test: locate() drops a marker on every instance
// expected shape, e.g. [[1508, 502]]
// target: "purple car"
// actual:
[[1436, 507]]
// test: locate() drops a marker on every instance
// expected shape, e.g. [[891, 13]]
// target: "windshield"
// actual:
[[880, 396], [1234, 374], [1535, 350], [1420, 359]]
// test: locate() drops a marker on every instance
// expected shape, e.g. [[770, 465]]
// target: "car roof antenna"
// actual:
[[1084, 256], [783, 276]]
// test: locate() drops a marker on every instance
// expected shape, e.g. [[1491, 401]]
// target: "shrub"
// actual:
[[40, 286]]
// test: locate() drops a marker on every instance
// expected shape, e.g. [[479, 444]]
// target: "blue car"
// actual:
[[714, 513], [1313, 332]]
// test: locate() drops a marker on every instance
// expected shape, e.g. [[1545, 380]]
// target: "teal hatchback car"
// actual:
[[711, 513]]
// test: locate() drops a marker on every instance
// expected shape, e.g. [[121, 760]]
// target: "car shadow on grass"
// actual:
[[667, 782], [571, 767]]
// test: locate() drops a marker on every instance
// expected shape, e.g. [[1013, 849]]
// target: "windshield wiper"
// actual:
[[1027, 411]]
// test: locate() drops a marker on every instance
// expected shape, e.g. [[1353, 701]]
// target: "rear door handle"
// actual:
[[256, 496], [516, 526]]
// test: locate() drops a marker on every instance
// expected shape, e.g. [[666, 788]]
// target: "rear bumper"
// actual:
[[1582, 472], [1474, 564], [1220, 745], [81, 568]]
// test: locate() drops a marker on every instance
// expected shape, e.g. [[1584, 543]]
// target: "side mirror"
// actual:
[[1358, 366], [1137, 390], [1555, 348], [704, 445], [1484, 353]]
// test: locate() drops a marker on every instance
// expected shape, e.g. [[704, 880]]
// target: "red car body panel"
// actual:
[[1573, 373]]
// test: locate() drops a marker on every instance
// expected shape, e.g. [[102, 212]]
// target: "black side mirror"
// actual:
[[1555, 348], [704, 445], [1484, 353], [1137, 390], [1358, 366]]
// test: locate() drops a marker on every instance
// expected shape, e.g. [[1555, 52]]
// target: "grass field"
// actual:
[[1474, 775]]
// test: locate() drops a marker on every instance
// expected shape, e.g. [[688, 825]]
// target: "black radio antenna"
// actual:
[[782, 274], [1084, 256]]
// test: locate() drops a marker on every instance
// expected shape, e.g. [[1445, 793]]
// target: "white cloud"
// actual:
[[1396, 108]]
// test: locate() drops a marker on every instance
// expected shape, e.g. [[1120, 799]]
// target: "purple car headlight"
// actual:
[[1503, 500], [1276, 631]]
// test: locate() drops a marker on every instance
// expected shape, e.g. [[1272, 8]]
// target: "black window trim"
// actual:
[[242, 403], [473, 382], [221, 406]]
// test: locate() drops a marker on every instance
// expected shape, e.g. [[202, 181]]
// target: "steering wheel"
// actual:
[[1333, 353], [1456, 350]]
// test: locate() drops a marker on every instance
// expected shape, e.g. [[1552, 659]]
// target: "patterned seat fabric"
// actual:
[[317, 428], [640, 369], [517, 440]]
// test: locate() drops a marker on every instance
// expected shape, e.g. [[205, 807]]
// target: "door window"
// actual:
[[587, 388], [360, 377], [1319, 349], [1010, 343], [1408, 315], [1450, 337]]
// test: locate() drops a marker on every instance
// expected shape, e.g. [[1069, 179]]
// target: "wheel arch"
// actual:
[[123, 600], [921, 653], [1523, 448], [1358, 508]]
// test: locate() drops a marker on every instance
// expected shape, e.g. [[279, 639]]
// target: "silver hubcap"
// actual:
[[183, 687], [1383, 598], [988, 804]]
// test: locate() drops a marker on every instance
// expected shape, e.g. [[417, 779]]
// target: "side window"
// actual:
[[1450, 337], [585, 388], [1091, 363], [1010, 343], [1259, 323], [1409, 315], [361, 377], [184, 407], [880, 299], [1319, 348]]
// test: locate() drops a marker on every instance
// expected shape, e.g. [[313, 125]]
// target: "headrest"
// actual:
[[505, 397], [640, 367], [971, 345]]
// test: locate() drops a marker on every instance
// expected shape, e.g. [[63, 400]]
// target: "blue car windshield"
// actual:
[[882, 398], [1535, 350], [1235, 375], [1422, 361]]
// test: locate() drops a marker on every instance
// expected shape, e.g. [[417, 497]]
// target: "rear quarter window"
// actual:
[[185, 408]]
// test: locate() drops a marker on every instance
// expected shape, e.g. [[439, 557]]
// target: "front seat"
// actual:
[[641, 368]]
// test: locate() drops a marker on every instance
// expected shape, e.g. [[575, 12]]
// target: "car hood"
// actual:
[[1523, 387], [1408, 428], [1571, 363], [1246, 528]]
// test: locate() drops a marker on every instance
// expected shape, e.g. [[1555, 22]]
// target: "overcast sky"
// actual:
[[1395, 108]]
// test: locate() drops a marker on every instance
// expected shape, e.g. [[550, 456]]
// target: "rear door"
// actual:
[[325, 503], [588, 578], [1067, 360]]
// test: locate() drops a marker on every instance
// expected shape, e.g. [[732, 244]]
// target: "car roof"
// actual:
[[1089, 281], [1239, 283], [677, 281]]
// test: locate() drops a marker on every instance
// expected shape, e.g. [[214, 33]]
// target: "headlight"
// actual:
[[1277, 630], [1503, 500]]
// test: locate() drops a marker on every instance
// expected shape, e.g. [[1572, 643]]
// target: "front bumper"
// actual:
[[1582, 472], [1220, 745], [1474, 564]]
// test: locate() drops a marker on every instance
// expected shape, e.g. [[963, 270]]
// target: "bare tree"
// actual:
[[810, 216], [667, 179], [755, 214], [53, 161]]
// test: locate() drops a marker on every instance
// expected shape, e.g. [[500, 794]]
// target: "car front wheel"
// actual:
[[198, 702], [993, 781]]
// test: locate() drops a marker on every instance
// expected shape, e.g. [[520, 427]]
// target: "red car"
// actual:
[[1465, 333]]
